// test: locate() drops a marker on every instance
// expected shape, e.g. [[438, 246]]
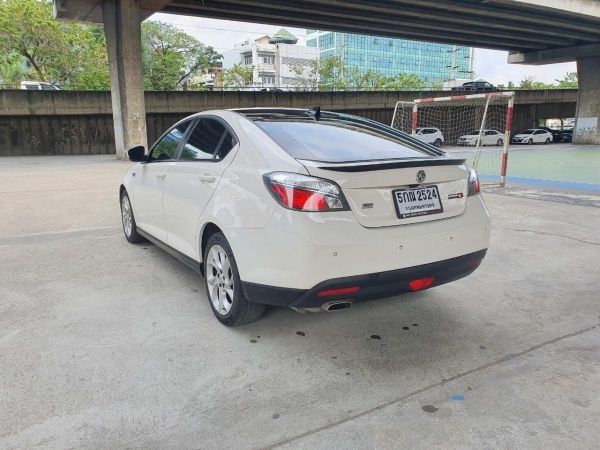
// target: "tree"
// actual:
[[171, 56], [306, 76], [238, 76], [12, 71], [570, 80], [331, 74], [531, 83], [360, 80], [56, 52], [404, 81]]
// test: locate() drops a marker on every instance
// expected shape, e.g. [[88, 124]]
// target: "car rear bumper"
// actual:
[[300, 250], [367, 287]]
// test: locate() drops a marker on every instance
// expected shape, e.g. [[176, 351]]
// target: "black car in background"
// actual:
[[479, 85], [559, 135]]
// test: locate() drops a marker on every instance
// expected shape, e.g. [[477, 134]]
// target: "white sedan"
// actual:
[[488, 137], [533, 136], [305, 209]]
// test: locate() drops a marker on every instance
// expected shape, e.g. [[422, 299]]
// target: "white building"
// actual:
[[278, 62]]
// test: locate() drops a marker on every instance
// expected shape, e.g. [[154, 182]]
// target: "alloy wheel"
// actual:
[[220, 281], [126, 215]]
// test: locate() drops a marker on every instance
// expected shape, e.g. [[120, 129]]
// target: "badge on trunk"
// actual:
[[421, 176]]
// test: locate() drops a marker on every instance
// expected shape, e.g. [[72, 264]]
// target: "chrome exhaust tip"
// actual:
[[336, 306]]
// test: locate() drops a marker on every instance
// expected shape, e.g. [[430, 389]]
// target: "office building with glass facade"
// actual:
[[433, 63]]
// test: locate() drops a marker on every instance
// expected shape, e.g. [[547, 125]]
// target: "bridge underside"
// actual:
[[533, 31]]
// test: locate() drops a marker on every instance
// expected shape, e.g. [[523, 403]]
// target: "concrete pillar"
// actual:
[[524, 117], [122, 27], [587, 121]]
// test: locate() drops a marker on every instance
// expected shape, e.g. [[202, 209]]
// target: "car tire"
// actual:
[[128, 220], [547, 141], [500, 142], [224, 287], [530, 141], [438, 142]]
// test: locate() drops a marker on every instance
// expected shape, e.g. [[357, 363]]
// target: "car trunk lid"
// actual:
[[372, 188]]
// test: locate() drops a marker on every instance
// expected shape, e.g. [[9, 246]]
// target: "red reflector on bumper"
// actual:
[[420, 283], [339, 291], [474, 264]]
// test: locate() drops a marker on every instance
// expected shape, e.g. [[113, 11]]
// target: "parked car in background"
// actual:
[[488, 137], [303, 209], [38, 86], [567, 135], [557, 135], [564, 135], [533, 136], [430, 135], [479, 85]]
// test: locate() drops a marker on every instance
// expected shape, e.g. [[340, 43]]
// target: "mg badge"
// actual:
[[421, 176]]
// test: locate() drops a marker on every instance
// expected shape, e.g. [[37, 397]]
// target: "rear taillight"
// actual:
[[474, 184], [305, 193], [339, 291]]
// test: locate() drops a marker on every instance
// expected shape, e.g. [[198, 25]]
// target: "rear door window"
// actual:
[[210, 140], [337, 140]]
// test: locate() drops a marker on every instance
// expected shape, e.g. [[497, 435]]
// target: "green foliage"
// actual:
[[334, 77], [531, 83], [12, 71], [171, 57], [569, 81], [74, 55], [404, 81], [331, 74], [306, 76], [57, 52], [238, 76]]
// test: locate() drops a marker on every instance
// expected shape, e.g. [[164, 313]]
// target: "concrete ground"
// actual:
[[109, 345]]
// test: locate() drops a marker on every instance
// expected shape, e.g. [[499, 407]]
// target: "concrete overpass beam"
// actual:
[[587, 122], [122, 27]]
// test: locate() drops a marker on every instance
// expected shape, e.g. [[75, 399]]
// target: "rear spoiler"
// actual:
[[345, 167]]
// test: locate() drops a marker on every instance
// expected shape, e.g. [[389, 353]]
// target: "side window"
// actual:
[[489, 133], [166, 148], [540, 132], [227, 143], [203, 141]]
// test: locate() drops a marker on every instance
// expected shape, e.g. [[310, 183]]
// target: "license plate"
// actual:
[[417, 202]]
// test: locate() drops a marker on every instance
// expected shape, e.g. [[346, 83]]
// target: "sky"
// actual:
[[489, 65]]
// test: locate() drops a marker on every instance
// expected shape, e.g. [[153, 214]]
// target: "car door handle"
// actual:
[[161, 176], [207, 178]]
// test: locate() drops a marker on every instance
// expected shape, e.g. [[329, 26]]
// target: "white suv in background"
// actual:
[[430, 135]]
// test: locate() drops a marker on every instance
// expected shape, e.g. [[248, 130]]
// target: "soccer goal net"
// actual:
[[476, 127]]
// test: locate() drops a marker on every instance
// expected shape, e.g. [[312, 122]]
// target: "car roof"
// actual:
[[284, 114]]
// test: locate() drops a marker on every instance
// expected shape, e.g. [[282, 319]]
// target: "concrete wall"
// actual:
[[66, 123]]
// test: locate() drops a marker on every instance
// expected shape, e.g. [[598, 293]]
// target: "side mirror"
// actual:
[[137, 154]]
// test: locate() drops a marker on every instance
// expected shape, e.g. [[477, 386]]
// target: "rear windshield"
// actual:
[[337, 141]]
